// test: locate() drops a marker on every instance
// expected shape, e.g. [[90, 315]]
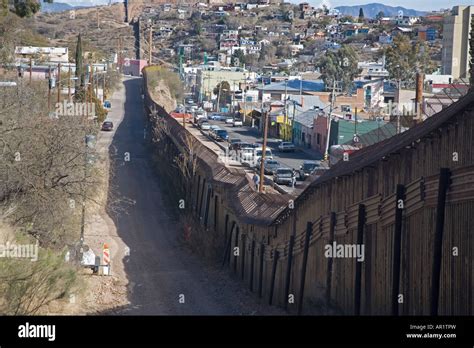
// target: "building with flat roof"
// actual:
[[455, 54]]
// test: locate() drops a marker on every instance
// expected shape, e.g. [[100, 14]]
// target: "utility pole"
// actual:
[[103, 87], [96, 85], [285, 119], [150, 43], [49, 88], [333, 97], [219, 96], [69, 83], [59, 82], [98, 27], [31, 68], [293, 124], [264, 149]]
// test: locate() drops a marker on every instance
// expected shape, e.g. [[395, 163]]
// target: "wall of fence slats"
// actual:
[[362, 206]]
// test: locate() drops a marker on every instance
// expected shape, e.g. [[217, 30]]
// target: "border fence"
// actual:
[[409, 201]]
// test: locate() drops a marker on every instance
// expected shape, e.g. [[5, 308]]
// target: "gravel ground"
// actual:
[[159, 268]]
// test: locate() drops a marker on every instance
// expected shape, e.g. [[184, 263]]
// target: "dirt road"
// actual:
[[164, 277]]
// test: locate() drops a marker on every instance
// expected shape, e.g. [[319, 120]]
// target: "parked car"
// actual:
[[205, 126], [229, 120], [270, 166], [107, 126], [233, 142], [259, 152], [237, 123], [286, 147], [283, 176], [217, 117], [221, 135], [246, 155], [307, 168], [212, 129]]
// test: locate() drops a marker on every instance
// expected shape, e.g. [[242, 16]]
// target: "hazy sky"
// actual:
[[417, 5]]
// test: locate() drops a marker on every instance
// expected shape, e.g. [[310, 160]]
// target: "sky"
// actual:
[[424, 5]]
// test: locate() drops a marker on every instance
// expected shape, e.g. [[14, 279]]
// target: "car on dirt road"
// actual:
[[107, 126]]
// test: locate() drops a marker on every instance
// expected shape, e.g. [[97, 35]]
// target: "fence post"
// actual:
[[236, 246], [332, 228], [288, 271], [443, 185], [358, 273], [309, 228], [202, 197], [252, 264], [228, 244], [276, 255], [208, 202], [242, 263], [262, 260], [397, 244]]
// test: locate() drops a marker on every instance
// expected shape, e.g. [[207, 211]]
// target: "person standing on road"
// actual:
[[256, 180]]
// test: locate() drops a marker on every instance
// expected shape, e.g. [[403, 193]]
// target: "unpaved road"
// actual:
[[159, 269]]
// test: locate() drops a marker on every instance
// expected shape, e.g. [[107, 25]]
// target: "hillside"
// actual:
[[371, 10], [61, 29]]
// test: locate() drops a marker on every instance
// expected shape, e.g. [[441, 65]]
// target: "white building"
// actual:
[[45, 54]]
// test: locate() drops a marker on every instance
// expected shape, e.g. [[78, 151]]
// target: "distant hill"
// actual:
[[371, 10], [55, 7], [61, 6]]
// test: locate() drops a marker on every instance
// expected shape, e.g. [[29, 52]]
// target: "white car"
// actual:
[[237, 123], [229, 120], [286, 146], [205, 126]]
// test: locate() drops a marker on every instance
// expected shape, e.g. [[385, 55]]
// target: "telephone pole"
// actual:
[[150, 45], [69, 83], [264, 149], [333, 97], [50, 81], [31, 68], [59, 82]]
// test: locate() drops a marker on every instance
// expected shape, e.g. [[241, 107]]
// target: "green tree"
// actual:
[[404, 59], [80, 74], [380, 15], [339, 66], [239, 57], [222, 91], [361, 14], [26, 8]]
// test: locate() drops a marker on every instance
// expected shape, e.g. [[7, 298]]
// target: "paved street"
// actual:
[[252, 135]]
